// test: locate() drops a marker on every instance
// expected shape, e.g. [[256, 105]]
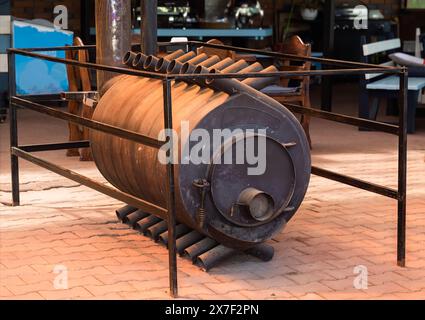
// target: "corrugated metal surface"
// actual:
[[136, 104]]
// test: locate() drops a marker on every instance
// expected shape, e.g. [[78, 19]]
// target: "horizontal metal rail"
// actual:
[[92, 124], [55, 146], [159, 76], [332, 116], [354, 182], [74, 176], [89, 65], [60, 48], [283, 74], [325, 61], [53, 97], [85, 47], [331, 62]]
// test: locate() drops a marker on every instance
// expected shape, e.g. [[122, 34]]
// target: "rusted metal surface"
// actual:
[[202, 251], [143, 225], [123, 212], [199, 248], [187, 240], [17, 150], [262, 251], [135, 103], [113, 35], [154, 231], [181, 230], [134, 217], [212, 257]]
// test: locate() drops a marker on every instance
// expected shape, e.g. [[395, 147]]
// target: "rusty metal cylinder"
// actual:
[[163, 63], [123, 212], [129, 58], [218, 199], [190, 58], [181, 230], [139, 61], [261, 83], [191, 67], [113, 35]]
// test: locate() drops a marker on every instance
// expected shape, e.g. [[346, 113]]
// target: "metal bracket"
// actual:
[[89, 98]]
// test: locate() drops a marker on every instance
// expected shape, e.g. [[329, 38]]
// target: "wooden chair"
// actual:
[[300, 93], [221, 53], [79, 80]]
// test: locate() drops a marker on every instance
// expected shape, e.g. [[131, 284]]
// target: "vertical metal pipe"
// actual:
[[85, 14], [329, 48], [113, 35], [149, 27], [402, 171], [14, 160], [171, 201]]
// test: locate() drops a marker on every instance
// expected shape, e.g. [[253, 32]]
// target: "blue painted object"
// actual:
[[209, 33], [393, 83], [35, 76], [4, 42], [317, 65]]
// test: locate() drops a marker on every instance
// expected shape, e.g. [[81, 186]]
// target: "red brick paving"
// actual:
[[336, 229]]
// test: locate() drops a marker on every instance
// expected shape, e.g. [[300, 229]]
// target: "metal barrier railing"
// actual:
[[29, 102]]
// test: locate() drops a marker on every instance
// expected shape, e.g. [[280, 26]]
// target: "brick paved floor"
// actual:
[[63, 225]]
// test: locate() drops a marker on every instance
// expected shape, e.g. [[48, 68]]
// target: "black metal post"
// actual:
[[276, 24], [14, 160], [149, 26], [86, 13], [402, 172], [328, 51], [171, 201]]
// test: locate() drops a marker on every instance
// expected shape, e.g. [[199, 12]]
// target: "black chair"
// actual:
[[376, 87], [422, 40]]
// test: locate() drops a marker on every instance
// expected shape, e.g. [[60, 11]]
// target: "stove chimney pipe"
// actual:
[[113, 35], [149, 27]]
